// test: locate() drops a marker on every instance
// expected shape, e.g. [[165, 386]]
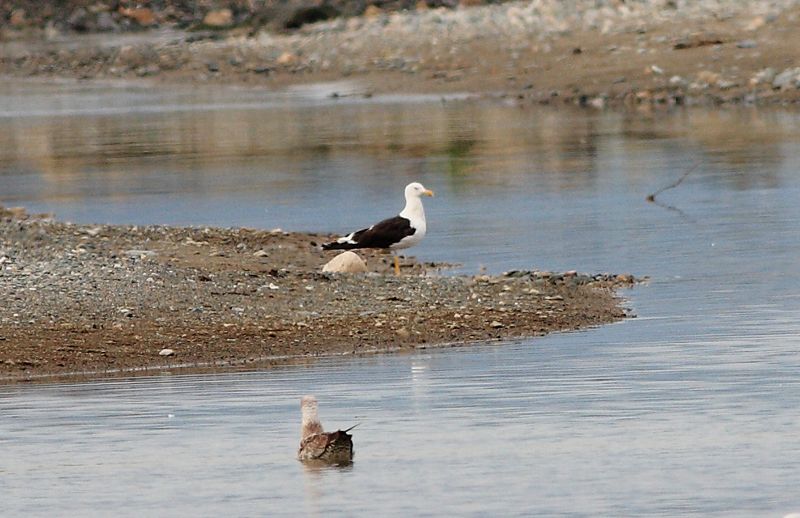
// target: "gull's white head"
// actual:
[[417, 189]]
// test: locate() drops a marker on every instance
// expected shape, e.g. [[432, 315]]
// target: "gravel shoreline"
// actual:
[[102, 298], [590, 53]]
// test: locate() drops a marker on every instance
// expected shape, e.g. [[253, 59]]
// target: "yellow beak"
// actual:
[[427, 192]]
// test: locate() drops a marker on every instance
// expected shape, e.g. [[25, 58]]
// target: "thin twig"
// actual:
[[652, 197]]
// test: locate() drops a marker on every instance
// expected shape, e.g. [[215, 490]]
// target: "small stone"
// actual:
[[706, 76], [260, 253], [218, 19], [139, 253], [677, 81], [166, 352], [273, 286], [763, 76], [17, 18], [747, 44], [496, 325], [287, 58], [143, 16], [656, 69], [372, 11], [787, 79], [346, 262], [597, 103], [93, 232]]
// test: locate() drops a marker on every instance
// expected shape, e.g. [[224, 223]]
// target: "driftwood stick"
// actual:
[[652, 197]]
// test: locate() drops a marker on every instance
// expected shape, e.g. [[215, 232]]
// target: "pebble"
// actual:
[[763, 76], [496, 324], [166, 352], [139, 253], [218, 19], [708, 77], [142, 15], [677, 81], [789, 78]]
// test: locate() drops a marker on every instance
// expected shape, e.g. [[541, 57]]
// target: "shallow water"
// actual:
[[690, 409]]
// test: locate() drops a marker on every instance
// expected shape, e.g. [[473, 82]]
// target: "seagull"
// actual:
[[402, 231], [317, 445]]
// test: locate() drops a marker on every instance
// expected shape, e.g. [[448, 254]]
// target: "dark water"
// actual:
[[690, 409]]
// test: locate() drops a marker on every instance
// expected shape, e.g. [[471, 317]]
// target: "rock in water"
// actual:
[[346, 262]]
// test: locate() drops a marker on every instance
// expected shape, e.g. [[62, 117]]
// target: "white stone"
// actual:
[[139, 253], [763, 76], [166, 352], [346, 262], [787, 79]]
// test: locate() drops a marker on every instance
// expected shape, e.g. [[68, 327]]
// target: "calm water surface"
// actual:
[[690, 409]]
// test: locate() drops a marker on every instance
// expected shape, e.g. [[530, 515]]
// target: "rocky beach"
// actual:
[[577, 52], [102, 298]]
